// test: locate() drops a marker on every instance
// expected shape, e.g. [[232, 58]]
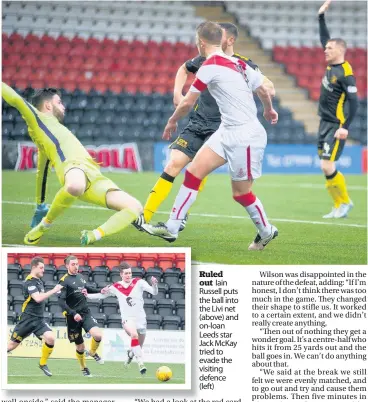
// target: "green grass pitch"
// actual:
[[66, 371], [218, 229]]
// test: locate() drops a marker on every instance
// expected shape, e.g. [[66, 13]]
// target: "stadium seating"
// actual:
[[114, 321], [53, 305], [94, 306], [171, 322], [165, 307], [171, 275], [176, 291], [180, 308], [13, 271], [12, 316], [106, 311], [110, 306], [18, 303], [149, 306], [154, 321]]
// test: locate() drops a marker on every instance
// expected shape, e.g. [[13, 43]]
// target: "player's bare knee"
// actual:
[[173, 168], [49, 338], [80, 347], [328, 167], [75, 189]]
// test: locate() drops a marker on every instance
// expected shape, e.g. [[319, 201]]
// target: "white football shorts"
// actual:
[[139, 323], [242, 147]]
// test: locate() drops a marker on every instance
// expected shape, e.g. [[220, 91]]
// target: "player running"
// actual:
[[338, 104], [77, 172], [31, 320], [240, 139], [205, 119], [129, 292], [73, 301]]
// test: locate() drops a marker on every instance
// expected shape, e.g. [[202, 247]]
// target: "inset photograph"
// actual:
[[113, 319]]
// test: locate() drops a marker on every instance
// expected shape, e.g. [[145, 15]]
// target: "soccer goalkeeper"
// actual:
[[78, 174]]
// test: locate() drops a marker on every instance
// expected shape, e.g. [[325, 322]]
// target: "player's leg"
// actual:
[[131, 329], [141, 339], [96, 335], [74, 329], [210, 157], [330, 151], [177, 162], [183, 150], [106, 193], [47, 348], [21, 331], [245, 156], [74, 186]]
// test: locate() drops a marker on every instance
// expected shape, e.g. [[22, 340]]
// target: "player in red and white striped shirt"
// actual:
[[129, 292], [240, 140]]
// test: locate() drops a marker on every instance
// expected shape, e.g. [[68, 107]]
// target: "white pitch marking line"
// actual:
[[329, 223]]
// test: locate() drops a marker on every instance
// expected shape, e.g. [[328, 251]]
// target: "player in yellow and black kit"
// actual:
[[338, 104], [205, 119], [77, 172], [31, 320], [72, 300]]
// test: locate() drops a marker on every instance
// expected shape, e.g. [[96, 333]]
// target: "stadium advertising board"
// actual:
[[159, 346], [299, 159], [114, 157], [294, 159], [31, 346]]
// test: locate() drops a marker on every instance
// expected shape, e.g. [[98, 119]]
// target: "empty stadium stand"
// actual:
[[116, 64], [166, 310]]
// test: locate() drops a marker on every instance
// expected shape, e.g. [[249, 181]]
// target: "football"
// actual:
[[163, 373]]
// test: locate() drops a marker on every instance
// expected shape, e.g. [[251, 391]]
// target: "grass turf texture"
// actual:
[[294, 203], [66, 371]]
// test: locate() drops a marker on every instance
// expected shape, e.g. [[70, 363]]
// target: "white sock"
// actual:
[[259, 218], [97, 234], [183, 202]]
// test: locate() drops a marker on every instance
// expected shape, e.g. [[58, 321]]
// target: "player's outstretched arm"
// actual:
[[98, 294], [180, 80], [15, 100], [323, 31], [40, 297]]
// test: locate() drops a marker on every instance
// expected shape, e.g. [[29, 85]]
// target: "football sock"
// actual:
[[201, 187], [157, 195], [336, 186], [81, 359], [333, 189], [136, 349], [256, 212], [61, 202], [45, 353], [116, 223], [94, 346], [185, 198]]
